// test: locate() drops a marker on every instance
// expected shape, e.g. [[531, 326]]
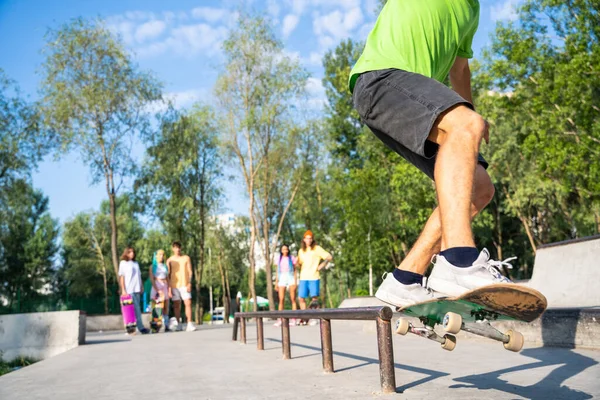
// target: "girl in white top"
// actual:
[[159, 276]]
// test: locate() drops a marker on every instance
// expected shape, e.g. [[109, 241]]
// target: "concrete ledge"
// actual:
[[104, 323], [579, 286], [557, 327], [40, 335]]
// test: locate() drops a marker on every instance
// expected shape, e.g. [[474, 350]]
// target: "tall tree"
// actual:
[[28, 243], [255, 91], [22, 142], [181, 181], [87, 249], [545, 114], [96, 100]]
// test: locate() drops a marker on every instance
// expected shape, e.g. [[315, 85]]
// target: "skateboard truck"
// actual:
[[452, 323], [403, 326]]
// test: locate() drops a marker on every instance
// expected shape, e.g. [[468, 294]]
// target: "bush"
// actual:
[[6, 367]]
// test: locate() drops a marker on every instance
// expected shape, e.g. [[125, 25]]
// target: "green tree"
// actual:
[[545, 117], [22, 142], [96, 100], [181, 183], [28, 245], [255, 92], [87, 248]]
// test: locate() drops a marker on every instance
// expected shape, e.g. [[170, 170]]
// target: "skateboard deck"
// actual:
[[128, 311], [473, 311], [157, 314]]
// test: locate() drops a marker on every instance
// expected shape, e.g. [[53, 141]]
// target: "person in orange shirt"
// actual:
[[180, 278], [311, 259]]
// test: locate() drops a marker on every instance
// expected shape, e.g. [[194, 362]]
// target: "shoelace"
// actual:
[[494, 266]]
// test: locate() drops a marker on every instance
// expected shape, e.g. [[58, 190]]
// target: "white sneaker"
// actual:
[[190, 327], [313, 322], [454, 281], [393, 292]]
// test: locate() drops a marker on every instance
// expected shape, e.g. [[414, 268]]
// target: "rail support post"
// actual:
[[235, 328], [260, 341], [326, 345], [386, 356], [243, 330], [285, 338]]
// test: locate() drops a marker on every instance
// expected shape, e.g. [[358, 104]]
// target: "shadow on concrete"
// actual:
[[431, 374], [103, 341], [567, 362]]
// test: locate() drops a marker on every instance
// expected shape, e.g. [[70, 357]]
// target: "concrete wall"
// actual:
[[567, 273], [98, 323], [40, 335]]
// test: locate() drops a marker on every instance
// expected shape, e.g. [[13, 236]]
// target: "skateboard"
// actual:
[[473, 311], [128, 312], [157, 314]]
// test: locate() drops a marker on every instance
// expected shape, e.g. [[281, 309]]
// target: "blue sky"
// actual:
[[180, 42]]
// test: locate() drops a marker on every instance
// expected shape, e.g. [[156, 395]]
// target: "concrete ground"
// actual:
[[206, 364]]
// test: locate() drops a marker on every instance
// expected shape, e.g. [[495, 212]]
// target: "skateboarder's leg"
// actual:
[[458, 132], [429, 242]]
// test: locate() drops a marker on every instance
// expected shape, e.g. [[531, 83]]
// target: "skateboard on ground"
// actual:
[[156, 320], [314, 304], [473, 311], [128, 312]]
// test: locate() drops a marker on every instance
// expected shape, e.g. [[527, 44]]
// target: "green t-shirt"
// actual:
[[422, 36]]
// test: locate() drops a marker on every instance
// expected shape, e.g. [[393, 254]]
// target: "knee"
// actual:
[[472, 128]]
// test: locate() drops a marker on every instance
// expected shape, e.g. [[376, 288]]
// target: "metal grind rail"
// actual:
[[382, 316]]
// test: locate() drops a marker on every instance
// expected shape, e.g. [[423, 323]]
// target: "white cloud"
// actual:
[[364, 30], [372, 6], [315, 59], [353, 18], [505, 11], [316, 93], [273, 8], [149, 30], [299, 6], [335, 26], [186, 98], [289, 24], [209, 14]]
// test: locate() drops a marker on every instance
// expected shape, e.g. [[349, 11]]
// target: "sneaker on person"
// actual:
[[292, 321], [313, 322], [190, 327], [278, 322], [394, 292], [454, 281], [173, 324]]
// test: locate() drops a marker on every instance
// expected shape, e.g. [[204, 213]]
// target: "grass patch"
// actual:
[[20, 362]]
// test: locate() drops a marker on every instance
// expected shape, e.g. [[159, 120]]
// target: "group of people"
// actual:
[[311, 259], [171, 280]]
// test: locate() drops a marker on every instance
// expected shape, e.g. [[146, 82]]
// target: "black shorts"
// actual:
[[400, 108]]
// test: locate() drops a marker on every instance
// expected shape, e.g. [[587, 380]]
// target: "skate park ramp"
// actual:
[[568, 272]]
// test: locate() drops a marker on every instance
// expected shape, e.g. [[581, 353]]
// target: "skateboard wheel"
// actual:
[[402, 326], [450, 343], [452, 322], [515, 341]]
